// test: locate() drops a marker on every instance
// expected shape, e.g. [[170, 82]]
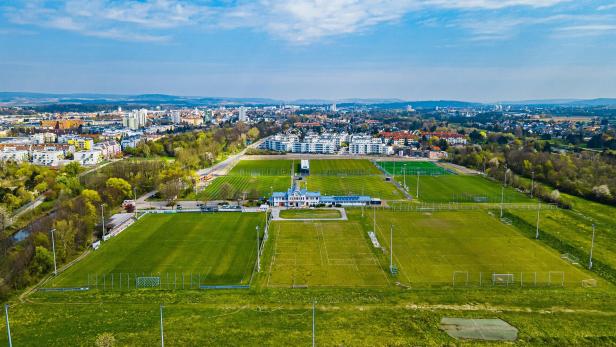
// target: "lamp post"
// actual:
[[592, 245], [53, 247], [8, 327]]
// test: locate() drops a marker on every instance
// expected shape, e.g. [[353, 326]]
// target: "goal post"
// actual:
[[502, 279], [459, 277], [147, 282]]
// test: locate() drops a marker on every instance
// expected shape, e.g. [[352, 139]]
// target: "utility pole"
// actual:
[[8, 327], [537, 231], [162, 335], [532, 184], [592, 245], [53, 247], [314, 312], [258, 251]]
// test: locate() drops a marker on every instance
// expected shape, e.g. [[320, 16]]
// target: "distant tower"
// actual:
[[333, 107], [410, 108], [243, 117]]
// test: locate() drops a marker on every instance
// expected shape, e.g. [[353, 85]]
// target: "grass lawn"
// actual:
[[429, 247], [460, 188], [342, 167], [254, 187], [265, 168], [424, 168], [374, 186], [221, 247], [309, 213], [322, 254]]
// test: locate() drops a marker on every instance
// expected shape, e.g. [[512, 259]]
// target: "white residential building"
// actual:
[[364, 144], [12, 154], [136, 119], [91, 157], [47, 157], [243, 117]]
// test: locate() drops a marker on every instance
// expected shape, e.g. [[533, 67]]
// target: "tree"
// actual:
[[72, 169], [170, 189], [117, 189], [602, 192], [42, 261], [65, 238], [226, 190], [253, 133]]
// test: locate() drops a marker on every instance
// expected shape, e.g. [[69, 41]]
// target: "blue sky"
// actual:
[[480, 50]]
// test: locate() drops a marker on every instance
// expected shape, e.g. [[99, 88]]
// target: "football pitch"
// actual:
[[440, 247], [220, 248], [322, 254], [252, 187], [273, 167], [460, 188], [423, 168], [343, 167]]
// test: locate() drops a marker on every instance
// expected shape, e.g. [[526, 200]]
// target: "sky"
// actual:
[[475, 50]]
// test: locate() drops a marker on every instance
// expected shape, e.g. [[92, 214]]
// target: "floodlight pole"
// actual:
[[162, 335], [502, 200], [258, 251], [592, 245], [417, 194], [374, 219], [537, 231], [8, 327], [391, 247], [53, 247], [103, 220], [314, 312], [404, 171], [532, 184]]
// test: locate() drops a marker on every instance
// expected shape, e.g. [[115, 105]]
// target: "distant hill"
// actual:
[[565, 102]]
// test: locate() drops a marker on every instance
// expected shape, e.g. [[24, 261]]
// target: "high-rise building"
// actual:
[[135, 119], [243, 117], [333, 108]]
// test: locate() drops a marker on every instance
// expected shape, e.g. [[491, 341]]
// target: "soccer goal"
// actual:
[[147, 282], [502, 279], [556, 278], [459, 278]]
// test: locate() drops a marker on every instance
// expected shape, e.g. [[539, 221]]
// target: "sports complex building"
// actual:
[[299, 197]]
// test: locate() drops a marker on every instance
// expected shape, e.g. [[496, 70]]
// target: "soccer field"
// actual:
[[322, 254], [423, 168], [220, 248], [255, 187], [374, 186], [343, 167], [460, 188], [272, 167], [430, 247]]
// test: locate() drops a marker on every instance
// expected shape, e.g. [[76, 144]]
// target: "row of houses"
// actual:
[[56, 154], [326, 143]]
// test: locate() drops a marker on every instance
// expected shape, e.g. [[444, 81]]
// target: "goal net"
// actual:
[[147, 282], [502, 279]]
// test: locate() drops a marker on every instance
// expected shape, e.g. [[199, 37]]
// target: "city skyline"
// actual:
[[480, 50]]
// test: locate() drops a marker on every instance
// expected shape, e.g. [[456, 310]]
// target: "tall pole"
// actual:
[[258, 251], [314, 312], [162, 335], [592, 245], [417, 194], [532, 184], [537, 231], [103, 220], [53, 247], [404, 171], [391, 247], [8, 327], [374, 219], [502, 198]]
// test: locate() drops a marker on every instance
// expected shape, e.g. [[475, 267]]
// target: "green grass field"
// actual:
[[460, 188], [423, 168], [374, 186], [255, 187], [220, 247], [272, 167], [342, 167], [429, 247], [309, 213], [322, 254]]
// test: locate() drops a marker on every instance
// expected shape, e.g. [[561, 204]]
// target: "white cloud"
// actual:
[[299, 21]]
